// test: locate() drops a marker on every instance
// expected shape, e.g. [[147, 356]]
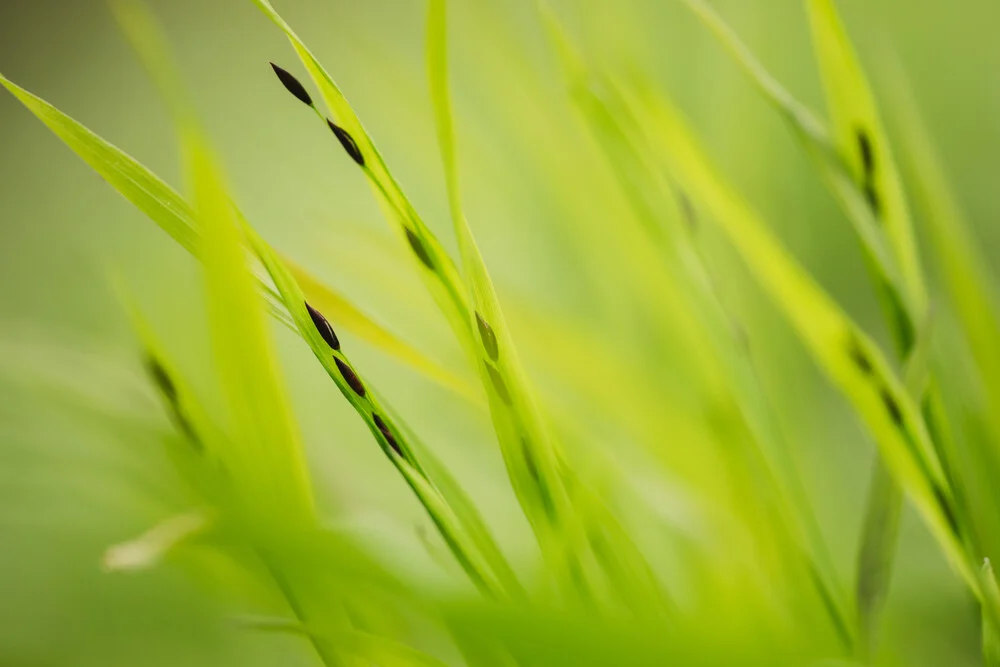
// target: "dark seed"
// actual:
[[162, 379], [859, 357], [488, 337], [872, 197], [347, 141], [946, 508], [892, 407], [387, 434], [498, 384], [323, 327], [867, 152], [292, 85], [352, 379], [543, 489], [418, 249]]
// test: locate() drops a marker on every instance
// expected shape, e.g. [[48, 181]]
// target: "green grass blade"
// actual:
[[848, 357], [434, 265], [172, 213], [458, 527], [863, 144], [526, 445], [267, 462]]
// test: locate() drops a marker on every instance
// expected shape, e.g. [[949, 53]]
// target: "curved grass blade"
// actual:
[[526, 446], [457, 526], [174, 215], [863, 144], [435, 266], [847, 356]]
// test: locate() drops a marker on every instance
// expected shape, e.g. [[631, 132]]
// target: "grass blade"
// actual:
[[174, 215]]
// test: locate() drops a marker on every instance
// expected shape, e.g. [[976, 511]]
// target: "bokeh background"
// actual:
[[80, 467]]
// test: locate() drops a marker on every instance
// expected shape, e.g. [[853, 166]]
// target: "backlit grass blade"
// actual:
[[863, 144], [524, 441], [394, 441], [267, 463], [845, 353], [172, 213], [435, 266]]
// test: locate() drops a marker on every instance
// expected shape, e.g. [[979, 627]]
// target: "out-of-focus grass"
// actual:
[[693, 462]]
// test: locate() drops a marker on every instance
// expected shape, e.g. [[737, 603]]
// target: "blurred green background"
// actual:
[[80, 467]]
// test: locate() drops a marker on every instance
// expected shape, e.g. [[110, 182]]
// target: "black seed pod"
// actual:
[[387, 433], [867, 152], [859, 356], [162, 379], [892, 407], [499, 384], [323, 327], [872, 197], [418, 249], [347, 141], [543, 489], [946, 509], [352, 379], [292, 85], [488, 337]]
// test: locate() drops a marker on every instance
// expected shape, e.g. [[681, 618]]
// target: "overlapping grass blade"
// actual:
[[845, 353], [172, 213], [435, 266]]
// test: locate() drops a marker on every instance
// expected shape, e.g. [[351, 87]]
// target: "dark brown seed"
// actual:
[[352, 379], [323, 327], [872, 197], [488, 337], [390, 438], [946, 508], [892, 407], [162, 379], [867, 153], [292, 85], [498, 384], [347, 141], [859, 356], [418, 249]]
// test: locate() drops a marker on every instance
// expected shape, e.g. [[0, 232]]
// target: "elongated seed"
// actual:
[[162, 379], [488, 337], [543, 489], [892, 407], [499, 384], [859, 356], [946, 508], [292, 85], [866, 151], [390, 438], [418, 249], [323, 327], [350, 377], [347, 141]]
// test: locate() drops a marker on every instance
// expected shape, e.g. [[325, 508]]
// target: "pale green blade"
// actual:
[[863, 144], [172, 213], [848, 357], [267, 461]]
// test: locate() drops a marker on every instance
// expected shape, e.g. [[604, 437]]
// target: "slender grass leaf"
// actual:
[[172, 213], [848, 357]]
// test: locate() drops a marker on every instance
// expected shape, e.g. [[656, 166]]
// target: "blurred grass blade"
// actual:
[[384, 651], [151, 547], [863, 143], [267, 462], [172, 213], [991, 638], [848, 357]]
